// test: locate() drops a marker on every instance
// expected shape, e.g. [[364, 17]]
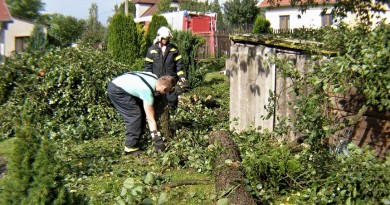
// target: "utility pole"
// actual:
[[126, 7]]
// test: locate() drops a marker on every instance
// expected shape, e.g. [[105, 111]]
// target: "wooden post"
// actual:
[[126, 7]]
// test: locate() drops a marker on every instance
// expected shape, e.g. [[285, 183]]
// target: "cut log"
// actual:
[[229, 176]]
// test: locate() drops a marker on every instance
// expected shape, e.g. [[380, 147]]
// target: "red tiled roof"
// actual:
[[145, 1], [266, 4], [5, 15], [151, 1], [152, 10]]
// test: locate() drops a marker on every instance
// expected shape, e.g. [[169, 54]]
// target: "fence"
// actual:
[[221, 46]]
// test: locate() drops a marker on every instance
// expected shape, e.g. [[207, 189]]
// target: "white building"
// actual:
[[285, 17]]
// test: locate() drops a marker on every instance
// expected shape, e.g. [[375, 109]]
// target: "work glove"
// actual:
[[158, 142], [182, 85], [182, 77]]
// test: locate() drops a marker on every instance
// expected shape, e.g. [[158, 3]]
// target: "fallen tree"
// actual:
[[228, 174]]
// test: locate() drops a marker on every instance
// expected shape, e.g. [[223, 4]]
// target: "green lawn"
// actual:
[[6, 147], [106, 170]]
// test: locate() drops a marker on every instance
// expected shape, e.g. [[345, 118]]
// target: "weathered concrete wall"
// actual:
[[251, 77]]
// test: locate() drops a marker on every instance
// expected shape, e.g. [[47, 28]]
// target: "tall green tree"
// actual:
[[124, 40], [165, 6], [188, 45], [37, 40], [30, 9], [195, 6], [65, 30], [240, 13], [216, 8], [20, 166], [262, 25], [94, 31], [34, 173], [47, 186], [121, 8]]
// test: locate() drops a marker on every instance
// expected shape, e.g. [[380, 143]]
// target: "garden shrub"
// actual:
[[68, 89], [188, 45], [262, 25]]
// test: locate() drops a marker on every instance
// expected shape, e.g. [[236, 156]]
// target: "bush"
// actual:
[[188, 45], [67, 88], [262, 25], [124, 39]]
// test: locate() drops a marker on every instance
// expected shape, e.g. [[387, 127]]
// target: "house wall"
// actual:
[[175, 19], [2, 42], [18, 28], [310, 19], [352, 19], [140, 9]]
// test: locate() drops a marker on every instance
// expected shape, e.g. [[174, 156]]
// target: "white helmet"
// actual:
[[163, 32]]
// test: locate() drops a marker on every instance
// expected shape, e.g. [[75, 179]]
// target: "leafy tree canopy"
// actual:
[[165, 6], [65, 30], [29, 9], [124, 39], [121, 8], [37, 40], [94, 31], [240, 12]]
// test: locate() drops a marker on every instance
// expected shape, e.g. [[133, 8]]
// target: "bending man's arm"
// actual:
[[149, 111]]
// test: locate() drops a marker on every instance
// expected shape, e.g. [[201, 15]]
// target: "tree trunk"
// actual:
[[229, 176], [163, 116]]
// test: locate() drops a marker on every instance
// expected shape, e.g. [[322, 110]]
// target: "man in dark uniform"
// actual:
[[164, 58]]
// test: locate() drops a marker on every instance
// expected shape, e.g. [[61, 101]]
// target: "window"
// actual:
[[327, 19], [21, 44], [284, 23]]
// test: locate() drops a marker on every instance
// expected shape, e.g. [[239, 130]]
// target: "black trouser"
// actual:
[[131, 109]]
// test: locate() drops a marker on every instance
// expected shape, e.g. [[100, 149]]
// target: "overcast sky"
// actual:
[[80, 8]]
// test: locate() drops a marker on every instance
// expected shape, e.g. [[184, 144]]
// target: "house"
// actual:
[[149, 7], [5, 19], [17, 35], [199, 23], [284, 17], [15, 32]]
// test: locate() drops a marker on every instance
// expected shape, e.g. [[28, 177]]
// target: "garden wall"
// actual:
[[254, 77]]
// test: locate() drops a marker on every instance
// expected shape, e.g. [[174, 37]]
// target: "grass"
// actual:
[[105, 186], [6, 147]]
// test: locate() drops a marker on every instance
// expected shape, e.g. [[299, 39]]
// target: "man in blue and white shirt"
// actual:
[[132, 94]]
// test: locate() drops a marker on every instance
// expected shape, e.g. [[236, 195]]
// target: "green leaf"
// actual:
[[147, 201], [124, 191], [137, 190], [228, 161], [162, 198], [120, 202], [149, 179], [223, 201], [129, 183]]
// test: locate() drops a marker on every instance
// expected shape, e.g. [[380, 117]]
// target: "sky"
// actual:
[[80, 8]]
